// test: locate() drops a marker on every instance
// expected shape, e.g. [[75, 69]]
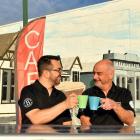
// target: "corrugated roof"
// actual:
[[6, 42], [67, 62], [86, 67]]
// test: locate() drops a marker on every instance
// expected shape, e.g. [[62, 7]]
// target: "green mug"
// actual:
[[82, 101]]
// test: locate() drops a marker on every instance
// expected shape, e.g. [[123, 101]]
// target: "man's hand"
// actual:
[[85, 120], [126, 116], [109, 104], [71, 101]]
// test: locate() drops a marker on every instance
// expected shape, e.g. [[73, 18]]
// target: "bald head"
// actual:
[[105, 64], [103, 73]]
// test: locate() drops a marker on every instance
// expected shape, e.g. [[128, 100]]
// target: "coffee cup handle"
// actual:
[[100, 105]]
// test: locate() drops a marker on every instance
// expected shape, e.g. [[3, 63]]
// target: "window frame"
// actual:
[[9, 86], [75, 76]]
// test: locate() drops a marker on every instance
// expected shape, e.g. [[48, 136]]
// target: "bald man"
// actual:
[[116, 102]]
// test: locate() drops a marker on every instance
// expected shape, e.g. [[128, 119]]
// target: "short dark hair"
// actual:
[[45, 61]]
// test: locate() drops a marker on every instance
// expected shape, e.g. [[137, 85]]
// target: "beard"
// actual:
[[102, 84], [98, 84], [57, 81]]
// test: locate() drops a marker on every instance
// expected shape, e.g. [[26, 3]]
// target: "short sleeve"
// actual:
[[127, 102], [27, 101]]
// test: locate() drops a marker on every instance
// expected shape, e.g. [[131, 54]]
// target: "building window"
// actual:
[[123, 82], [75, 76], [138, 89], [118, 81], [8, 87], [65, 78]]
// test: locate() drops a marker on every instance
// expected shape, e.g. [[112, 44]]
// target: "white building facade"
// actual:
[[127, 73]]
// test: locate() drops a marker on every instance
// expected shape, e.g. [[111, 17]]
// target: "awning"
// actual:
[[7, 44]]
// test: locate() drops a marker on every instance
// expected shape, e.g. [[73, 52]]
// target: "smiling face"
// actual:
[[52, 73], [55, 72], [103, 73], [49, 69]]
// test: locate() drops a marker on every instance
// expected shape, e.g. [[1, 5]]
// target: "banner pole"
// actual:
[[25, 11]]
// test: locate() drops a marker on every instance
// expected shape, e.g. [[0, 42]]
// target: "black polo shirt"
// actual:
[[36, 96], [108, 117]]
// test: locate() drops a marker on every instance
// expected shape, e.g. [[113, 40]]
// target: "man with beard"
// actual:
[[41, 102], [116, 103]]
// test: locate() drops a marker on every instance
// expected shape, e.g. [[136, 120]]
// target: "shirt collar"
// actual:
[[110, 92], [42, 88]]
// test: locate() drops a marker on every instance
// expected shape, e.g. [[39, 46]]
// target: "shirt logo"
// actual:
[[131, 104], [27, 102]]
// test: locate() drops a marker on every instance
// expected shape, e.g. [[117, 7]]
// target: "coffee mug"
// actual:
[[82, 101], [94, 102]]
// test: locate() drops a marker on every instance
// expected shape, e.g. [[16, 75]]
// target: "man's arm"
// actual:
[[41, 116], [126, 116]]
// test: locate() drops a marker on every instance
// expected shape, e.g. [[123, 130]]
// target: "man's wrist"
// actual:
[[116, 106], [66, 105]]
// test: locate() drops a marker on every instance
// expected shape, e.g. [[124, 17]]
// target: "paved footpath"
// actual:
[[137, 119]]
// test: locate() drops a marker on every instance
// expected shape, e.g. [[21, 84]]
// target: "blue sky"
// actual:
[[11, 10]]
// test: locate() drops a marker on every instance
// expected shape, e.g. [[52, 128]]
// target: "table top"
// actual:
[[60, 132], [12, 129]]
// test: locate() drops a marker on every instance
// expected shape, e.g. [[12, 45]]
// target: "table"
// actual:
[[59, 132]]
